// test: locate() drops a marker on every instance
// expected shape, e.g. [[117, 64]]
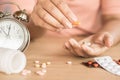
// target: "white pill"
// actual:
[[37, 65], [44, 70], [40, 73], [36, 62], [43, 65], [69, 62], [48, 63]]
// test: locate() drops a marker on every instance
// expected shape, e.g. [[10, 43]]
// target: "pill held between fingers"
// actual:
[[69, 62], [76, 23]]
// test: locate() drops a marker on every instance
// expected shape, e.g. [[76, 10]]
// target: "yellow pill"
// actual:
[[76, 23], [37, 65]]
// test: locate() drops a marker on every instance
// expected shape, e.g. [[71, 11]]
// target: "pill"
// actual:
[[118, 63], [48, 63], [40, 73], [44, 70], [119, 60], [89, 62], [37, 65], [76, 23], [36, 62], [89, 44], [43, 65], [29, 71], [95, 64], [69, 62], [25, 72]]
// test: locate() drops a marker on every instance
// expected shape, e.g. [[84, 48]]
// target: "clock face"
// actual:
[[13, 34]]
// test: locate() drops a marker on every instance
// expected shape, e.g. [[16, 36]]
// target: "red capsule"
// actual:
[[95, 64]]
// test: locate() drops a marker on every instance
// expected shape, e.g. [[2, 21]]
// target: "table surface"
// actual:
[[46, 47]]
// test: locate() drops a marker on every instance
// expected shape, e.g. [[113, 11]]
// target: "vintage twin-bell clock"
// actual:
[[13, 33]]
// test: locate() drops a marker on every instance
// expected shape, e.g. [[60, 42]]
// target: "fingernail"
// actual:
[[73, 17], [69, 25], [72, 42], [76, 43], [110, 43], [84, 47], [66, 44]]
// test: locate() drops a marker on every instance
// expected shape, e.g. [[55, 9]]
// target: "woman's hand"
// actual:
[[90, 46], [52, 15]]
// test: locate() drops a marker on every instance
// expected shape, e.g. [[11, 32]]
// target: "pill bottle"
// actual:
[[11, 61]]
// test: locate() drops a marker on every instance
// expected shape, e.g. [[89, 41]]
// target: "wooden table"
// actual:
[[46, 47]]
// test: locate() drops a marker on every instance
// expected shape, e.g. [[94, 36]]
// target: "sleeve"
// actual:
[[24, 4], [110, 6]]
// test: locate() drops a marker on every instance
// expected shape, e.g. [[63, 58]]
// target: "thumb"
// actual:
[[108, 39]]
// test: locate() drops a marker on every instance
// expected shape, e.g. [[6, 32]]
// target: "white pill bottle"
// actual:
[[11, 61]]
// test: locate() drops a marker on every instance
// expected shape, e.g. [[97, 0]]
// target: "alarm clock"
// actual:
[[13, 32]]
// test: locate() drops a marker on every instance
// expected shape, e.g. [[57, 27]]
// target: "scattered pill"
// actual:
[[43, 65], [119, 60], [25, 72], [95, 64], [44, 70], [40, 73], [69, 62], [118, 63], [48, 63], [37, 65], [89, 62], [37, 62]]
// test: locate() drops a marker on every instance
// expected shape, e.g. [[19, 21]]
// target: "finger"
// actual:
[[94, 50], [69, 48], [55, 12], [99, 39], [65, 10], [48, 18], [39, 22], [89, 51], [76, 47], [108, 39]]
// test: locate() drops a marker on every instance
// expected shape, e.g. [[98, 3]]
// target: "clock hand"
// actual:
[[9, 30], [3, 31]]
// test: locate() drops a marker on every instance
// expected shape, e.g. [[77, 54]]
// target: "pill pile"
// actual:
[[91, 64], [41, 66], [94, 64]]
